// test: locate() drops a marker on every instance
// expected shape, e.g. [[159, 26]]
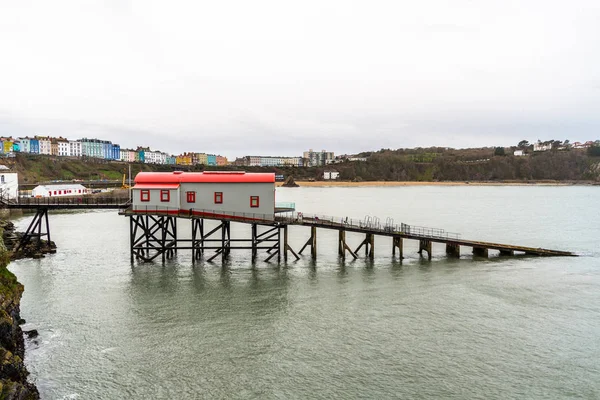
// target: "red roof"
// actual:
[[203, 177], [156, 186]]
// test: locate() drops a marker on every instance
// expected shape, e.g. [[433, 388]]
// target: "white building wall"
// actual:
[[9, 185], [58, 190], [236, 197], [75, 148], [45, 146], [64, 149], [155, 200], [25, 145]]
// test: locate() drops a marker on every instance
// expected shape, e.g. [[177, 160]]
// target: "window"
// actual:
[[165, 195], [144, 195], [191, 197], [218, 197], [253, 201]]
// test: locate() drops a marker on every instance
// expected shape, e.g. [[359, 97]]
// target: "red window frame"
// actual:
[[165, 195], [144, 195], [254, 201], [218, 197], [191, 197]]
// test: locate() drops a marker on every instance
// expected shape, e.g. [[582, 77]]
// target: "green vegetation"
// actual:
[[594, 151], [8, 281], [420, 164]]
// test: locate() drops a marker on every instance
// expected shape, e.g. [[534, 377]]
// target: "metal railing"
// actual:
[[204, 213], [285, 205], [368, 223], [57, 201]]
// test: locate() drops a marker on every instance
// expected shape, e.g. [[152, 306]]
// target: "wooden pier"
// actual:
[[146, 245], [153, 232]]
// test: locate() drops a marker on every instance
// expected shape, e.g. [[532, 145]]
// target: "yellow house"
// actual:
[[183, 159], [202, 158], [7, 145]]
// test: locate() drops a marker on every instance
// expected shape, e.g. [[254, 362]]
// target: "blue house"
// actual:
[[211, 159], [116, 152], [34, 146]]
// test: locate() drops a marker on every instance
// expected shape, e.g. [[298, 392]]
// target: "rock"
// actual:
[[22, 321], [32, 333], [289, 182]]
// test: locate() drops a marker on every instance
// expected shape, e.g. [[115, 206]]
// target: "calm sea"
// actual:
[[497, 328]]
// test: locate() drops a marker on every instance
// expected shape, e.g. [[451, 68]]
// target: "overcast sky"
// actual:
[[279, 77]]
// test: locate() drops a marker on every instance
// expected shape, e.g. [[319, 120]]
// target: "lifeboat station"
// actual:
[[214, 194], [159, 198]]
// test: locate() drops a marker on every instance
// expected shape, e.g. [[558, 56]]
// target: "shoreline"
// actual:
[[444, 183]]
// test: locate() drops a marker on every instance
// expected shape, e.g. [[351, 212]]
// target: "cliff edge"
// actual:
[[13, 374]]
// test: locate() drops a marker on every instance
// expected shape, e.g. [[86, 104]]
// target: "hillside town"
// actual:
[[106, 150]]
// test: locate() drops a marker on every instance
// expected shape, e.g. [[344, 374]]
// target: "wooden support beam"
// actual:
[[313, 247], [363, 243], [507, 252], [425, 244], [453, 250], [397, 243], [285, 243], [480, 251], [343, 246], [293, 252], [308, 243]]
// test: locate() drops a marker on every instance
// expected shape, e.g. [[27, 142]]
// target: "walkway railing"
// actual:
[[204, 212], [285, 205], [368, 223], [71, 201]]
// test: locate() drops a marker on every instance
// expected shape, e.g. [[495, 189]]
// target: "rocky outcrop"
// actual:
[[32, 249], [13, 374], [289, 182]]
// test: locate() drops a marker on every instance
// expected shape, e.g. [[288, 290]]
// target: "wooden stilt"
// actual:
[[453, 250], [397, 243], [425, 244]]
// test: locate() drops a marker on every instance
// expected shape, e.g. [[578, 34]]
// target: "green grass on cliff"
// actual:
[[8, 281]]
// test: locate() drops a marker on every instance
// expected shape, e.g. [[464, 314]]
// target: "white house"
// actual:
[[59, 190], [209, 193], [63, 147], [25, 145], [9, 183], [331, 175], [518, 153], [542, 146], [75, 148]]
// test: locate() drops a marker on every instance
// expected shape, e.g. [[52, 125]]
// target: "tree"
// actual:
[[594, 151], [523, 144], [499, 151]]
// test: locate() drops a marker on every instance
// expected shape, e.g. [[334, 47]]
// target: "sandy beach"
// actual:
[[408, 183]]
